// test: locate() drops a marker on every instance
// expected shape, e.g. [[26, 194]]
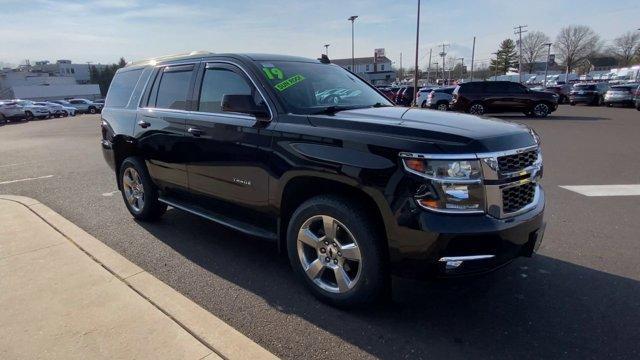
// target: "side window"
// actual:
[[171, 88], [121, 88], [513, 88], [220, 81]]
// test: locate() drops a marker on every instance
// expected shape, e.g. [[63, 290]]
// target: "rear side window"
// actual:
[[471, 88], [121, 88], [171, 88], [584, 87]]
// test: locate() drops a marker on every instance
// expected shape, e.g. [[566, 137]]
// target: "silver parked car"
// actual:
[[32, 110], [11, 111], [620, 95], [56, 110], [86, 106], [66, 106], [439, 98]]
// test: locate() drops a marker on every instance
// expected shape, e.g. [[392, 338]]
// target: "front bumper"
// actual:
[[446, 245]]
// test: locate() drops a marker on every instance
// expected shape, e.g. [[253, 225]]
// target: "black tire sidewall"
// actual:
[[152, 208], [484, 109], [374, 277]]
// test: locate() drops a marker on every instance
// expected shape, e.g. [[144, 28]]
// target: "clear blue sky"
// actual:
[[103, 30]]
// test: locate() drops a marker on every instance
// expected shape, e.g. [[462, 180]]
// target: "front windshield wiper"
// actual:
[[378, 105]]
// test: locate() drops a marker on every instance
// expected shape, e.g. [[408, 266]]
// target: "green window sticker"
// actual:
[[273, 73], [289, 82]]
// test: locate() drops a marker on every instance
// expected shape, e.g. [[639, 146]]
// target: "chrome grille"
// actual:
[[517, 162], [517, 197]]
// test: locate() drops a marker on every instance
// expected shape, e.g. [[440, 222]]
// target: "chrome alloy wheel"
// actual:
[[541, 110], [133, 189], [329, 254], [443, 107]]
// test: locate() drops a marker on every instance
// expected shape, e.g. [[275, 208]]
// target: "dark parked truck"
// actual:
[[306, 154]]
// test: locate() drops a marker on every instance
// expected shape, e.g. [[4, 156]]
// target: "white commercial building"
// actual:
[[15, 84]]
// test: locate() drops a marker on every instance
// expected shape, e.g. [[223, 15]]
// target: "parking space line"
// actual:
[[27, 179], [107, 194], [16, 164], [605, 190]]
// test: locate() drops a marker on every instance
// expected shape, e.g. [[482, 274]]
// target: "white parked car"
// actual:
[[86, 106], [66, 106], [32, 110], [56, 110], [11, 111]]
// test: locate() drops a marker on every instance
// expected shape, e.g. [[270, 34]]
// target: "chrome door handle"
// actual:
[[195, 131], [144, 124]]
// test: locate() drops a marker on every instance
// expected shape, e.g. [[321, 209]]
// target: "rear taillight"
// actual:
[[430, 96]]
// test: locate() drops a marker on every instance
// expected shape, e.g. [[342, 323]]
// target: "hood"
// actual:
[[447, 131]]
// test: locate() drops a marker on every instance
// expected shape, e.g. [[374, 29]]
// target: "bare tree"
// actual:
[[626, 46], [575, 43], [533, 48]]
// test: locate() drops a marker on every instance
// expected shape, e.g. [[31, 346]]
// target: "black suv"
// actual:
[[481, 97], [591, 94], [351, 187]]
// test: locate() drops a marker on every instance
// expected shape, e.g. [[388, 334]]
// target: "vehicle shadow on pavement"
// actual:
[[533, 308]]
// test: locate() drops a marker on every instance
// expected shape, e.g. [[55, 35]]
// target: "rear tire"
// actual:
[[344, 266], [139, 193], [28, 115], [443, 106], [477, 109], [92, 110], [540, 110]]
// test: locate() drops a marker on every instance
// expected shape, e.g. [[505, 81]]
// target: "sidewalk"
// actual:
[[66, 295]]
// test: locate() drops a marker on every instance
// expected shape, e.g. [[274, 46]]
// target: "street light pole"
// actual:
[[353, 61], [415, 72], [326, 49], [461, 67], [546, 67], [473, 56]]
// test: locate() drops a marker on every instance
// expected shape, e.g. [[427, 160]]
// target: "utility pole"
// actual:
[[546, 66], [437, 69], [473, 56], [326, 49], [442, 54], [518, 31], [353, 61], [415, 72], [429, 68]]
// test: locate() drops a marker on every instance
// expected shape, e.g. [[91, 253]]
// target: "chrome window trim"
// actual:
[[191, 112]]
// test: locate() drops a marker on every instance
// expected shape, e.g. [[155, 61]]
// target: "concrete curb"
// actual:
[[214, 333]]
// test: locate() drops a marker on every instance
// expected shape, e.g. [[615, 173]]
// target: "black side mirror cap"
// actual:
[[244, 104]]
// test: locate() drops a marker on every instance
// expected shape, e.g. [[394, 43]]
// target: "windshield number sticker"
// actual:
[[273, 73], [289, 82]]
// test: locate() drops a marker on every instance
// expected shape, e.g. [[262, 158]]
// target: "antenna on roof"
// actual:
[[324, 59]]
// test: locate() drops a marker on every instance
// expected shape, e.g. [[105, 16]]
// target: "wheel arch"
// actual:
[[123, 147], [299, 189]]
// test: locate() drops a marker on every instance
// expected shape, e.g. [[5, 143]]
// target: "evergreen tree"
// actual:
[[507, 57], [103, 76]]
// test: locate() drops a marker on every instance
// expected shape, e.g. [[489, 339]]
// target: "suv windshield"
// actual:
[[314, 88]]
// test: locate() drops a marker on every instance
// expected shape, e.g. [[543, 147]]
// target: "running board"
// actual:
[[220, 219]]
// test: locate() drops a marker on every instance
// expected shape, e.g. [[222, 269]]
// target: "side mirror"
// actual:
[[244, 104]]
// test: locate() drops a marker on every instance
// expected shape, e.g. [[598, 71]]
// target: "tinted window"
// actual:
[[514, 88], [121, 88], [474, 87], [495, 88], [173, 87], [218, 82]]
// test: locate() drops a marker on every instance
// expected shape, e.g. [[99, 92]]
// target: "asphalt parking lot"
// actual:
[[578, 298]]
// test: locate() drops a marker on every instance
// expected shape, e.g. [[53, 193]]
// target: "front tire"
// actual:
[[92, 110], [443, 106], [28, 115], [138, 191], [335, 250]]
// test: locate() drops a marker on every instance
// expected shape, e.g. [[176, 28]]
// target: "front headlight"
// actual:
[[453, 186]]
